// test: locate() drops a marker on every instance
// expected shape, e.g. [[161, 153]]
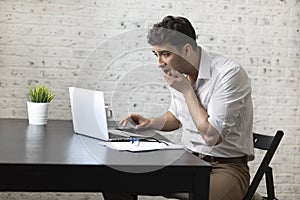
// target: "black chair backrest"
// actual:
[[270, 144]]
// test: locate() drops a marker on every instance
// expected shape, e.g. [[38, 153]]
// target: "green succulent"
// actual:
[[40, 94]]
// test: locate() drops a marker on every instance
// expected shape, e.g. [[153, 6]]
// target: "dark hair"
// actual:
[[174, 30]]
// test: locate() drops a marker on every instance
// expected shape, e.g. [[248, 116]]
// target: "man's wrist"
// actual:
[[150, 124], [188, 92]]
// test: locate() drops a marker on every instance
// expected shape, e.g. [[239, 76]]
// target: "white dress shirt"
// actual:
[[224, 90]]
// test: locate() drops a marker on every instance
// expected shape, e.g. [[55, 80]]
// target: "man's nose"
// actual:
[[161, 61]]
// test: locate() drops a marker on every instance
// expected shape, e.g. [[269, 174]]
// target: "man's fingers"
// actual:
[[123, 123], [125, 120], [166, 70], [132, 118]]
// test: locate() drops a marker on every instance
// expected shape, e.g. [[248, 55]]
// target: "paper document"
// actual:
[[142, 146]]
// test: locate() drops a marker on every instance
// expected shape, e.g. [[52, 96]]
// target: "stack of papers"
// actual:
[[142, 146]]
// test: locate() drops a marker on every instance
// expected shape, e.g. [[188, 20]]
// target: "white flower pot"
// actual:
[[37, 113]]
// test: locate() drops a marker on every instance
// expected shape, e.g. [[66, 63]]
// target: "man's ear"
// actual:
[[187, 50]]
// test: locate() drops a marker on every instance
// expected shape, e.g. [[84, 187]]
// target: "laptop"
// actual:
[[89, 116]]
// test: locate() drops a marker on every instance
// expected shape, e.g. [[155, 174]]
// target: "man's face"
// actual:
[[169, 55]]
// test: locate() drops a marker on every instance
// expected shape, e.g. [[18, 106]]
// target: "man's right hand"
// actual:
[[165, 122], [137, 120]]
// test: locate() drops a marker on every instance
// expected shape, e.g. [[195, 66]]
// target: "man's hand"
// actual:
[[199, 115], [137, 120], [165, 122], [175, 79]]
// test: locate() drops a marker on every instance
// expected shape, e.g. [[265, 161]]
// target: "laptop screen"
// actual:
[[88, 112]]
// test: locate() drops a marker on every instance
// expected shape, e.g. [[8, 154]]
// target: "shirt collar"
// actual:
[[205, 65]]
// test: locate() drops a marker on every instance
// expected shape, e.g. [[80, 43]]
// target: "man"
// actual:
[[210, 100]]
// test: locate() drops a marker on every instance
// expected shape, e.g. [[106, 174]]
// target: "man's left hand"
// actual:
[[175, 79]]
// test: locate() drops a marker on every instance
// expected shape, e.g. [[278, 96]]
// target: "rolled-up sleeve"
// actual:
[[225, 108]]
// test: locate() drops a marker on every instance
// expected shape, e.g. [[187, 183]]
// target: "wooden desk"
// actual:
[[53, 159]]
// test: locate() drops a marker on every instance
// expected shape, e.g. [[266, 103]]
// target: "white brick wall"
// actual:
[[47, 41]]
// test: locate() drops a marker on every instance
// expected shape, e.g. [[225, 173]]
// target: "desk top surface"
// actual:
[[56, 143]]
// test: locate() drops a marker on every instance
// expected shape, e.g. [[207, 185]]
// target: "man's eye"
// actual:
[[166, 54]]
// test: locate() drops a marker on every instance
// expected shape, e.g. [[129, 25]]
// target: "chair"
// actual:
[[270, 144]]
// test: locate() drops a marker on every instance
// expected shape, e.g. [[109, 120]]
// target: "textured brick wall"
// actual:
[[54, 41]]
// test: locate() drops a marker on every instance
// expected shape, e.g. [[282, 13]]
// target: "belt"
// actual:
[[222, 160]]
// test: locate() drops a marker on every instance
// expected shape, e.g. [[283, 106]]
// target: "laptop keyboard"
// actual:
[[126, 129], [115, 138]]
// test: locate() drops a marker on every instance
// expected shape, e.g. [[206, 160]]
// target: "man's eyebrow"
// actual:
[[161, 52]]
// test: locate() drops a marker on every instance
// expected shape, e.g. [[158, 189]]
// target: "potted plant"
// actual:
[[39, 98]]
